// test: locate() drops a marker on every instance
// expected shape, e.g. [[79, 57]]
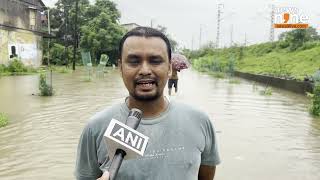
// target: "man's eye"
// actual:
[[156, 61], [133, 61]]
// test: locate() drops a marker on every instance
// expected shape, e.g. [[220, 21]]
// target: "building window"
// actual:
[[13, 52], [32, 17]]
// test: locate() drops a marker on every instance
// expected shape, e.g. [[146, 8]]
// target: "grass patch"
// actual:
[[234, 81], [219, 75], [60, 69], [265, 59]]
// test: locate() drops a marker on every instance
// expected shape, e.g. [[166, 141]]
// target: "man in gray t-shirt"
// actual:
[[182, 144]]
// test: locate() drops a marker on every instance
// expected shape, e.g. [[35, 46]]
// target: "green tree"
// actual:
[[296, 38], [312, 34], [62, 21], [98, 28], [102, 33], [63, 16]]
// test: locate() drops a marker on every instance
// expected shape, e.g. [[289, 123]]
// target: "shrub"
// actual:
[[310, 45], [45, 89], [315, 101], [267, 91], [58, 54], [3, 120], [2, 68], [16, 66], [283, 44], [216, 65], [316, 77], [231, 65]]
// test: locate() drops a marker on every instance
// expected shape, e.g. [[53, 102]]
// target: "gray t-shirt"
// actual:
[[181, 139]]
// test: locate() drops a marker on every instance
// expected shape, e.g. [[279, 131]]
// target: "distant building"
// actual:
[[21, 31], [130, 26]]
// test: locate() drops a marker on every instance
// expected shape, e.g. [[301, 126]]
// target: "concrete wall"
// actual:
[[27, 44], [291, 85], [20, 26], [17, 13]]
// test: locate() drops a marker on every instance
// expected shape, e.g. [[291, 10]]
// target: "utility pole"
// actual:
[[75, 38], [65, 11], [218, 24], [151, 23], [200, 36], [49, 31], [231, 35], [245, 39], [271, 37], [192, 41]]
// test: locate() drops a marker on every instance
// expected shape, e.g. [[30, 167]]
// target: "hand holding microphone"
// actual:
[[124, 142], [105, 176]]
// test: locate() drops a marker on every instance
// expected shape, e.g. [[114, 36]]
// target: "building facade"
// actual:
[[21, 31], [130, 26]]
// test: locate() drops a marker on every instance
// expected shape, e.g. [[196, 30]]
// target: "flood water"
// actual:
[[260, 137]]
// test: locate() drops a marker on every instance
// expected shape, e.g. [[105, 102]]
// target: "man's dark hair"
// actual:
[[145, 32]]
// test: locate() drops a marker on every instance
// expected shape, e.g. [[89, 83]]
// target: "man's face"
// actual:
[[145, 67]]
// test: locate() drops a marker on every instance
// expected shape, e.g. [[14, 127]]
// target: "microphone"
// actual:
[[123, 141]]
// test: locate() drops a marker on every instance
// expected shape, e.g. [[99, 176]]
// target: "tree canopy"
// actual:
[[99, 30], [296, 38]]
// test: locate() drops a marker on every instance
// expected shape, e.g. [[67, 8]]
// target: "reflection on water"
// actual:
[[260, 137]]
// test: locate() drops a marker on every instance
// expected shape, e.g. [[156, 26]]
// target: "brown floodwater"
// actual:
[[260, 137]]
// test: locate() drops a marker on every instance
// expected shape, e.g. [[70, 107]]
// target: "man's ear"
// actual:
[[170, 70], [120, 66]]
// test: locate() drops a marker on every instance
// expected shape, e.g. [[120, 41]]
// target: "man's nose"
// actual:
[[145, 69]]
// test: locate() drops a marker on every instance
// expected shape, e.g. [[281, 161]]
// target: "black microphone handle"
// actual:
[[133, 121], [116, 163]]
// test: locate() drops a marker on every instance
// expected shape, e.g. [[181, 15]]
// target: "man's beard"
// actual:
[[146, 98]]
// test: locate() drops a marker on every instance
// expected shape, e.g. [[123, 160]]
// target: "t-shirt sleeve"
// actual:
[[210, 155], [87, 166]]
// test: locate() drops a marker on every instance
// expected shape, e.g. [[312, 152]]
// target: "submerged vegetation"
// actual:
[[16, 67], [3, 119], [315, 101], [267, 91], [44, 87]]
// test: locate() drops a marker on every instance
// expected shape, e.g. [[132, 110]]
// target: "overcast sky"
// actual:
[[185, 18]]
